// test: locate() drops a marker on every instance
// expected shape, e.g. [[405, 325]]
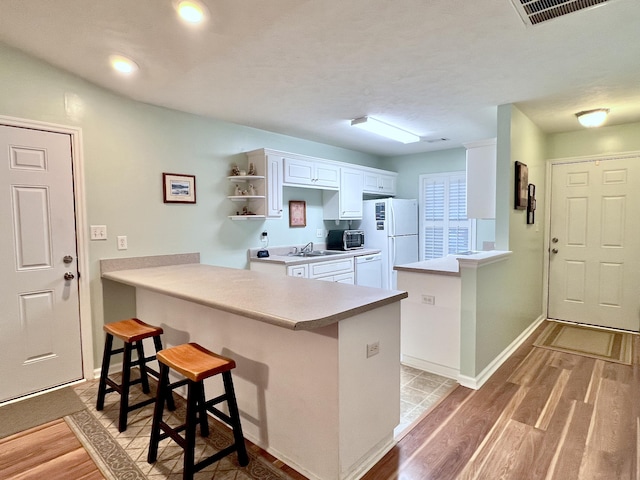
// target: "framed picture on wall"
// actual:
[[297, 213], [522, 186], [178, 188]]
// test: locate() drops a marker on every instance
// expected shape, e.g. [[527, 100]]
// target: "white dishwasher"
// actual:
[[369, 270]]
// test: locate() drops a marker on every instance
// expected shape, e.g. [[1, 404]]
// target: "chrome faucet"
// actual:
[[307, 248]]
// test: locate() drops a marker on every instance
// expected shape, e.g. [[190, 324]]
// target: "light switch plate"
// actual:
[[98, 232]]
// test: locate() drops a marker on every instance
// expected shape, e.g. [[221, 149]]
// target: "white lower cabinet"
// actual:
[[301, 271], [341, 271], [333, 271]]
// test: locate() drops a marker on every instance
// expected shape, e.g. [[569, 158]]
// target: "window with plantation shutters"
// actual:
[[444, 225]]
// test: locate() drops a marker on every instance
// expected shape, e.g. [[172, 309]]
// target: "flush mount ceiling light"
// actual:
[[191, 11], [384, 129], [592, 118], [123, 64]]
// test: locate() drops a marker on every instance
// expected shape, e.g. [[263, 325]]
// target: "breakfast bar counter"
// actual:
[[309, 388]]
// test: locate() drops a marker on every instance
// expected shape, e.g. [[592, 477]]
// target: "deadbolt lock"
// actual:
[[67, 259]]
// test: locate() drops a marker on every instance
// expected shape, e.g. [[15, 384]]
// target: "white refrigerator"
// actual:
[[391, 226]]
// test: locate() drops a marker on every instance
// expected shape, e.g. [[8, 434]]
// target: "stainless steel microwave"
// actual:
[[345, 239]]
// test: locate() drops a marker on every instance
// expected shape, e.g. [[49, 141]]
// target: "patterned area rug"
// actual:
[[609, 345], [123, 456]]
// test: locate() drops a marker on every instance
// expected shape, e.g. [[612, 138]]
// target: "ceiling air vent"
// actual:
[[534, 12]]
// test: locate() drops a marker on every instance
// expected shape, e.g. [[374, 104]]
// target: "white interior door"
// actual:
[[594, 259], [40, 345]]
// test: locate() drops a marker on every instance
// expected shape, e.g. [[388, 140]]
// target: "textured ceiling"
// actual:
[[305, 68]]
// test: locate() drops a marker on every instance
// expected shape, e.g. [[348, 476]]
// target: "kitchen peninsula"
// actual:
[[307, 391]]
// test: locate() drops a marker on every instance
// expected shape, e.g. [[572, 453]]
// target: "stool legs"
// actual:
[[196, 414], [124, 387], [243, 458], [104, 373]]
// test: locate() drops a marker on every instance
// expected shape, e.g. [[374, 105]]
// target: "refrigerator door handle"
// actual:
[[392, 253], [392, 221]]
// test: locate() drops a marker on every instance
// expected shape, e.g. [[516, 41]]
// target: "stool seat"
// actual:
[[194, 361], [132, 330]]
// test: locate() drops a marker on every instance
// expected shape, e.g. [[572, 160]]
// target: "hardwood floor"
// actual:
[[50, 451], [543, 415]]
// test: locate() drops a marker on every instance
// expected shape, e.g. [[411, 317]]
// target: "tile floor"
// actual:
[[419, 391]]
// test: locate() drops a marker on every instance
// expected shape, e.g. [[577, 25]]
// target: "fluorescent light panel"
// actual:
[[384, 129]]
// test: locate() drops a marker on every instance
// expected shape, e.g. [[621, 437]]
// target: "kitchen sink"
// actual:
[[316, 253]]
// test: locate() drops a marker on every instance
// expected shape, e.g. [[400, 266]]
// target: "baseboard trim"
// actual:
[[476, 382], [420, 364]]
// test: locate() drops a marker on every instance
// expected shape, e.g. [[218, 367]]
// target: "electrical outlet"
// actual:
[[98, 232], [429, 299], [122, 242], [319, 232], [373, 349]]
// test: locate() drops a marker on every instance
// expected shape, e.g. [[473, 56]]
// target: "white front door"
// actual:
[[594, 258], [40, 344]]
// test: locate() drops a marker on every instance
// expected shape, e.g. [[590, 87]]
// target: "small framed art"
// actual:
[[522, 186], [178, 188], [297, 213]]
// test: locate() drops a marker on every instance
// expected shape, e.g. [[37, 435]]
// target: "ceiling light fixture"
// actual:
[[384, 129], [190, 11], [123, 64], [592, 118]]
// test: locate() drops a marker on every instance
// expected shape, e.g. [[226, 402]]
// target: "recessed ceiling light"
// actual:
[[592, 118], [190, 11], [123, 64]]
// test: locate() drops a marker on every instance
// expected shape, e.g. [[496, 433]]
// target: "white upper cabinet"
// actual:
[[274, 186], [481, 179], [377, 183], [346, 203], [298, 172]]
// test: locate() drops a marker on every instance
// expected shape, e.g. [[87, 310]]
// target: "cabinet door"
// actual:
[[327, 175], [350, 193], [387, 184], [299, 172], [301, 271], [345, 278], [323, 269], [274, 186], [370, 184]]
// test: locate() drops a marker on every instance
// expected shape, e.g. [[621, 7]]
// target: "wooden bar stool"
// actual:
[[131, 332], [196, 364]]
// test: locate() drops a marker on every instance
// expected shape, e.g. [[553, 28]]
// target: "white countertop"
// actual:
[[450, 265], [289, 302]]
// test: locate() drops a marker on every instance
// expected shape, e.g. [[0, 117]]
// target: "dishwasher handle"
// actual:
[[368, 258]]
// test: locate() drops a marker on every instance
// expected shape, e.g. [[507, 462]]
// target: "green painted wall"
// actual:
[[508, 294], [127, 145], [594, 141]]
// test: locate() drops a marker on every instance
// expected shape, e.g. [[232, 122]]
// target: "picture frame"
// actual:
[[178, 188], [521, 186], [297, 213]]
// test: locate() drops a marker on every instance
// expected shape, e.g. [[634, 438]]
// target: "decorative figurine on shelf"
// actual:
[[244, 192], [252, 190], [252, 170], [235, 171], [246, 211], [237, 191]]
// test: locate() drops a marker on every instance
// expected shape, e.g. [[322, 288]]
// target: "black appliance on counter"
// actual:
[[345, 239]]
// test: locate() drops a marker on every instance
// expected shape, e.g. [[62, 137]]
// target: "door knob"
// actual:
[[555, 250], [69, 276]]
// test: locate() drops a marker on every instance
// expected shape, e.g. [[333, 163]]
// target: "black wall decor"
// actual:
[[531, 204]]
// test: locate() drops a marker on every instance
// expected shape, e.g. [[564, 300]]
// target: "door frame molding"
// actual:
[[547, 207], [79, 194]]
